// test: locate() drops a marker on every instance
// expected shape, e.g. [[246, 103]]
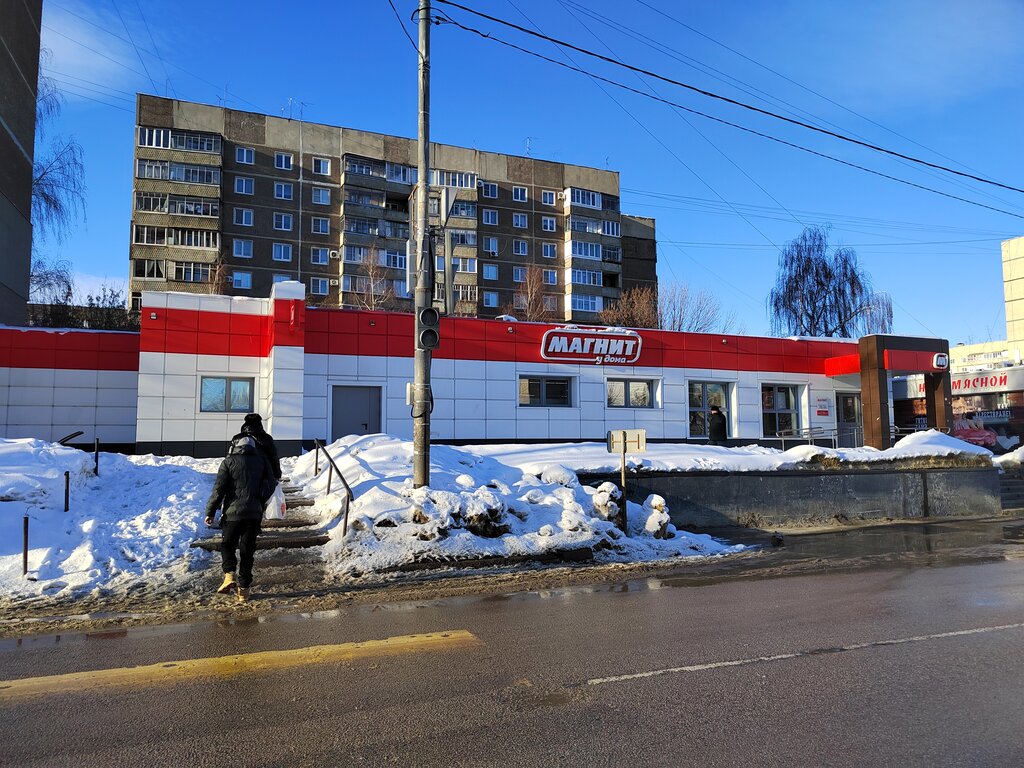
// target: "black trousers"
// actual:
[[240, 535]]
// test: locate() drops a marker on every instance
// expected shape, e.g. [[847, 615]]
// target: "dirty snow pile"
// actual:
[[131, 524], [479, 506], [689, 457]]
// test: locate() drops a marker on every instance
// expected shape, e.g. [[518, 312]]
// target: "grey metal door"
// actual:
[[849, 420], [354, 411]]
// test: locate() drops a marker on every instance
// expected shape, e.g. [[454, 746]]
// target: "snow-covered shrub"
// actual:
[[657, 520], [556, 474]]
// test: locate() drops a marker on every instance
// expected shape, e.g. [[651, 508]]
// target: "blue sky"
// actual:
[[937, 79]]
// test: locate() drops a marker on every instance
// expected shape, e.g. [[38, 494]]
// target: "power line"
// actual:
[[93, 98], [726, 99], [52, 72], [93, 90], [402, 25], [776, 139], [132, 41], [156, 49]]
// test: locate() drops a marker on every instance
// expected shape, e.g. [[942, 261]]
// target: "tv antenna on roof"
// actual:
[[529, 144]]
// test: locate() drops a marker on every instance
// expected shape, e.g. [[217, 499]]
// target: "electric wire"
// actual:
[[404, 30], [131, 40], [156, 49], [726, 99]]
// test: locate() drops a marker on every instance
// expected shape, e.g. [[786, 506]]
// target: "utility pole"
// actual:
[[427, 328]]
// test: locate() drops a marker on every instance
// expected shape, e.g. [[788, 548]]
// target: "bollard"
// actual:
[[24, 547], [96, 449], [316, 460], [67, 490]]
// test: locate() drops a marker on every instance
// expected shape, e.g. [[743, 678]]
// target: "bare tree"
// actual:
[[50, 282], [377, 291], [529, 299], [672, 307], [821, 291]]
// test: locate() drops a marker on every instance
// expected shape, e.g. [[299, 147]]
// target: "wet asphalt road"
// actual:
[[848, 669]]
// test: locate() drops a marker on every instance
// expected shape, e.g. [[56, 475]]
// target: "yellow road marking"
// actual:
[[237, 664]]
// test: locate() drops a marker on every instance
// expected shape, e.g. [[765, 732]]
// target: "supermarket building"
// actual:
[[182, 383]]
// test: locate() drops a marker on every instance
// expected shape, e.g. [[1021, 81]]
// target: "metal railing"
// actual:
[[332, 468], [844, 437]]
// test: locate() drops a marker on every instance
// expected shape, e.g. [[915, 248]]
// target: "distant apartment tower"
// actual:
[[230, 202], [19, 74]]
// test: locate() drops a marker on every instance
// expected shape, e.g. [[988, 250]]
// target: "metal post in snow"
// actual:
[[67, 491], [330, 475], [24, 547], [96, 455], [316, 460], [625, 496]]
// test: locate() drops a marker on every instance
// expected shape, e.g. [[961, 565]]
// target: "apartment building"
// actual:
[[232, 202], [19, 71]]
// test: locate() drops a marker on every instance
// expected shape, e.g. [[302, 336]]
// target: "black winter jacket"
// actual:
[[238, 485], [266, 444], [716, 427]]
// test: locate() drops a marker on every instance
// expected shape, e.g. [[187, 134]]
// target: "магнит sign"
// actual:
[[589, 345]]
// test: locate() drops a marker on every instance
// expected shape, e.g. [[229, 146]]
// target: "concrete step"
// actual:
[[287, 489], [275, 540], [294, 502], [289, 522]]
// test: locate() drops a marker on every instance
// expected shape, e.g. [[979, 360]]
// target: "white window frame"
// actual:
[[281, 248], [324, 163], [283, 161], [520, 248], [518, 274], [324, 192], [323, 221], [520, 221], [244, 188], [520, 194], [552, 274], [247, 217], [241, 153], [489, 189], [548, 197], [549, 250], [491, 299], [490, 240], [490, 217], [316, 283], [489, 271], [284, 217], [319, 254], [548, 223], [247, 280], [238, 247], [284, 186]]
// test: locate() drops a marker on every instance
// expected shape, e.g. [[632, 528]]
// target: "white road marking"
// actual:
[[799, 654]]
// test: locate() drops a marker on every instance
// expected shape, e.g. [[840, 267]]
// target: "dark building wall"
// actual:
[[19, 72], [639, 253]]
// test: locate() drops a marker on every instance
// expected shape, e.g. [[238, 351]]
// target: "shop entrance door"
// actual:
[[849, 420], [354, 411]]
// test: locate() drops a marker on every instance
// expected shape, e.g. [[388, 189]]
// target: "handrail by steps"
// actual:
[[350, 497]]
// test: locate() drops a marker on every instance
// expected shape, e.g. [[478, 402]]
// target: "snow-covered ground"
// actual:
[[134, 522]]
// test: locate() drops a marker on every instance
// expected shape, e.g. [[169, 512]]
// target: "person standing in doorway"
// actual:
[[717, 432], [240, 488], [252, 425]]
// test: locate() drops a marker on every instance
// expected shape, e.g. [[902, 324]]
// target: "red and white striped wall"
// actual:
[[312, 369]]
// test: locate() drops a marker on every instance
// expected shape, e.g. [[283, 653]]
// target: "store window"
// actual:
[[222, 394], [703, 395], [630, 393], [779, 409], [545, 391]]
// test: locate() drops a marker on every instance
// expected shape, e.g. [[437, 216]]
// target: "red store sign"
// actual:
[[588, 345]]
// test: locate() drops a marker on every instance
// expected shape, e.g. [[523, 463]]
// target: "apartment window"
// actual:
[[545, 391], [322, 166], [490, 271], [193, 206], [458, 264], [222, 394], [150, 269], [243, 185], [703, 395], [191, 272], [489, 189], [192, 238], [550, 303], [550, 277], [463, 237], [242, 248], [464, 209], [583, 303], [401, 290], [465, 293], [459, 179], [364, 197], [151, 201], [393, 259], [778, 409], [400, 231], [490, 216], [282, 252], [518, 274], [242, 280], [319, 286], [283, 161], [153, 169], [321, 195], [518, 301], [403, 174], [146, 235], [490, 299], [246, 155], [520, 221], [136, 301], [320, 225], [610, 228], [586, 198], [355, 254], [609, 203], [193, 174], [585, 250], [243, 217], [360, 226], [519, 247], [587, 277], [550, 250], [283, 221], [195, 142], [583, 224], [630, 393], [319, 255], [282, 190], [519, 194], [547, 223], [612, 253], [547, 197], [155, 137], [491, 245], [280, 278]]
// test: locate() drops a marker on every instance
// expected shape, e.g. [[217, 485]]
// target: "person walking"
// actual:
[[717, 434], [244, 482], [252, 425]]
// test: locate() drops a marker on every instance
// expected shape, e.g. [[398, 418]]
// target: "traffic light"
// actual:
[[428, 328]]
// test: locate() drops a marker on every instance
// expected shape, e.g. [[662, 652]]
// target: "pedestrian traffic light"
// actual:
[[428, 331]]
